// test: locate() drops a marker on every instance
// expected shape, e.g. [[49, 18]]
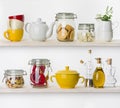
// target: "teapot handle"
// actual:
[[50, 31], [26, 27]]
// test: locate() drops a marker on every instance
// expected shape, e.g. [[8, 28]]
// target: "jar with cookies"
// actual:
[[65, 26]]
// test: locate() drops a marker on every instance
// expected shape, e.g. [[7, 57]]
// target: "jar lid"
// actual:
[[67, 71], [14, 72], [83, 27], [39, 62], [91, 26], [65, 15]]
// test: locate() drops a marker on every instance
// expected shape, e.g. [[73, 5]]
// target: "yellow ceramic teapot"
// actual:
[[67, 78]]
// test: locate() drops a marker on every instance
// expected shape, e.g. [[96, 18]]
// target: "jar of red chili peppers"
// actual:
[[39, 72]]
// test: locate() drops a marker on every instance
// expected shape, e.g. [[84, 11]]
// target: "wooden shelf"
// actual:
[[55, 43], [59, 90]]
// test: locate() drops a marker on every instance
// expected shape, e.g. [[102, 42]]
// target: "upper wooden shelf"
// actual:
[[55, 43]]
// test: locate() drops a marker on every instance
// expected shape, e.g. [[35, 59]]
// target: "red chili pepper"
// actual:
[[42, 68], [32, 75], [42, 79]]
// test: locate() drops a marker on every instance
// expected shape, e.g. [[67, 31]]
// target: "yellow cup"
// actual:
[[14, 35]]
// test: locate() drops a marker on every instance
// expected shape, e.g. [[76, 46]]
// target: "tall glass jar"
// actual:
[[14, 78], [65, 25], [39, 72]]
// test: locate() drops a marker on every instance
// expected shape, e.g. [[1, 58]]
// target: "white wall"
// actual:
[[17, 57]]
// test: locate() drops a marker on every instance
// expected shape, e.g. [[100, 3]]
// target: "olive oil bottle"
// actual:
[[98, 75]]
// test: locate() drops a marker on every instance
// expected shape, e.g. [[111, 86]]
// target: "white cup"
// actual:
[[15, 24]]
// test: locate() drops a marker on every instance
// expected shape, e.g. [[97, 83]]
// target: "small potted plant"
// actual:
[[107, 16], [104, 30]]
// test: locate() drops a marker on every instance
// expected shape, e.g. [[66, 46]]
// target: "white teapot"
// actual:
[[39, 31]]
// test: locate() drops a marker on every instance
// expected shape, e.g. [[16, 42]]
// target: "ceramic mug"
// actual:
[[14, 35], [18, 17], [15, 24]]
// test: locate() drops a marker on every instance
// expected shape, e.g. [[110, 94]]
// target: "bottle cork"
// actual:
[[98, 60], [81, 61], [109, 61], [90, 51]]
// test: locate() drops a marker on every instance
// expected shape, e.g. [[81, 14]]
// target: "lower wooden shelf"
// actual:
[[59, 90]]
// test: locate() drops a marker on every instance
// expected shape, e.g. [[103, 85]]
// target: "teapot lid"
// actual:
[[39, 21], [67, 71]]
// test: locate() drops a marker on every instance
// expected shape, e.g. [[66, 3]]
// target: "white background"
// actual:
[[18, 57]]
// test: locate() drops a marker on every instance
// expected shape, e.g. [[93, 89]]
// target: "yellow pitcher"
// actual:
[[14, 35]]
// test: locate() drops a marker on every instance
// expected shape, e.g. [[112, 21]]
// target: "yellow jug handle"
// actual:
[[82, 78], [51, 78], [6, 35]]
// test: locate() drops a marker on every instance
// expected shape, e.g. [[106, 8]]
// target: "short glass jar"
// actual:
[[86, 32], [14, 78], [65, 26], [39, 72]]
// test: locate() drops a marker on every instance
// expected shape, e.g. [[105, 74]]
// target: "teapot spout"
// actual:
[[50, 31]]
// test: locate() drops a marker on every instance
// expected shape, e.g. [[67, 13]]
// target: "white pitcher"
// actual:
[[104, 31]]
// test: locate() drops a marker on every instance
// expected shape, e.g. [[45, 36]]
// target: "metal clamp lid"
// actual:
[[39, 62], [66, 15]]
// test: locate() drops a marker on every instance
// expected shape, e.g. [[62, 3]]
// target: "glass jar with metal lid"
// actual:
[[86, 32], [39, 72], [65, 25], [14, 78]]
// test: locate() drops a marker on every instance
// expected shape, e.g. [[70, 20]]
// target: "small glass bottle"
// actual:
[[89, 70], [110, 74], [98, 75]]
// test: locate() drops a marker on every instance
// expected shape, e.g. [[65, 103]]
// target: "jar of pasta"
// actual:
[[86, 32], [65, 25]]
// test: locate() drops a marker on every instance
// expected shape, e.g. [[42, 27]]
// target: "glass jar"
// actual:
[[14, 78], [86, 33], [39, 72], [65, 25]]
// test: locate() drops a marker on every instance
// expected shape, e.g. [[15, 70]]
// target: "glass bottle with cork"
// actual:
[[89, 70], [110, 74], [98, 75]]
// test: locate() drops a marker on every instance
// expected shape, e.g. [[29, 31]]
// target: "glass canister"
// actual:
[[39, 72], [65, 25], [86, 32], [14, 78]]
